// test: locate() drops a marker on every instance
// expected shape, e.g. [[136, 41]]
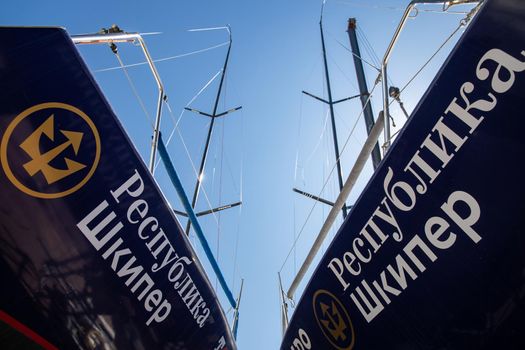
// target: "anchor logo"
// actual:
[[333, 320], [50, 160]]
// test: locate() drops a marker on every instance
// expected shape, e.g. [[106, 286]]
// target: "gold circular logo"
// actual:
[[50, 150], [333, 320]]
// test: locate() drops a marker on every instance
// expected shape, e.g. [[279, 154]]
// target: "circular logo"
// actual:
[[50, 150], [333, 320]]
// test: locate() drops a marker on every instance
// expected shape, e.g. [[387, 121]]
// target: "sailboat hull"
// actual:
[[432, 254], [91, 255]]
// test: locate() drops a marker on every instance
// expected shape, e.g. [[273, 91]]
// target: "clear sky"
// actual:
[[279, 140]]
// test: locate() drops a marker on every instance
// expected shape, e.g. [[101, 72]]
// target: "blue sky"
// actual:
[[279, 140]]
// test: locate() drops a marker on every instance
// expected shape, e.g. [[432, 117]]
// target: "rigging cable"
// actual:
[[220, 192], [358, 57], [223, 124], [461, 24], [298, 138], [163, 59], [176, 122], [368, 46], [187, 104], [329, 175], [197, 174], [296, 238], [177, 129], [132, 85], [316, 62], [310, 156], [393, 8], [235, 252], [228, 166], [334, 62], [240, 206], [339, 68], [321, 136]]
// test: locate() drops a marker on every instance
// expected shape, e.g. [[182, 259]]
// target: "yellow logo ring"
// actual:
[[340, 305], [26, 113]]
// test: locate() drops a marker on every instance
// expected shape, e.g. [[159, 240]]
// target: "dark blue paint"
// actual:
[[473, 295], [52, 278]]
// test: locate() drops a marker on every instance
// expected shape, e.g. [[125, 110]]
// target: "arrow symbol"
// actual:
[[40, 162]]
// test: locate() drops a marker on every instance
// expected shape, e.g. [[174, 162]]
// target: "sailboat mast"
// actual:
[[213, 116], [363, 88], [332, 116], [330, 102]]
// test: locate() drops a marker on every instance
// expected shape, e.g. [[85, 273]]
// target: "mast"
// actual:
[[330, 102], [332, 116], [363, 88], [213, 116]]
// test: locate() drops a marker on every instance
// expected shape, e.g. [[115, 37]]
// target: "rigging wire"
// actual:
[[298, 138], [192, 163], [220, 192], [309, 75], [372, 53], [321, 136], [326, 164], [241, 184], [130, 81], [333, 61], [187, 104], [294, 236], [209, 29], [163, 59], [223, 124], [343, 73], [140, 33], [365, 45], [235, 252], [197, 174], [362, 59], [218, 219], [240, 189], [176, 123], [295, 175], [228, 166], [355, 55], [461, 24], [177, 129], [329, 175], [394, 8], [368, 46], [133, 87]]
